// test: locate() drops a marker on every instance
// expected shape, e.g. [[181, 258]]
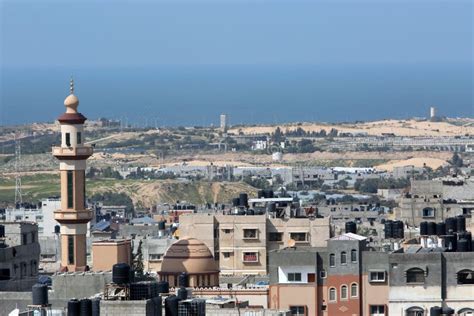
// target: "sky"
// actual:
[[144, 33], [329, 60]]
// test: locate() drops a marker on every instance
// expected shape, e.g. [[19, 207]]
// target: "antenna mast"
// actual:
[[18, 193]]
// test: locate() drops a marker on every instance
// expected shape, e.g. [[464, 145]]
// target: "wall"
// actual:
[[282, 296]]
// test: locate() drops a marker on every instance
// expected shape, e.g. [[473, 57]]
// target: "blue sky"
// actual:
[[143, 33]]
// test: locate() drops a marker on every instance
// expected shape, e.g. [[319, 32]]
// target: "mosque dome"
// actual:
[[188, 255]]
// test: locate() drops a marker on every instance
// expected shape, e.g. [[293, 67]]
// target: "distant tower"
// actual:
[[73, 215], [432, 112], [224, 123]]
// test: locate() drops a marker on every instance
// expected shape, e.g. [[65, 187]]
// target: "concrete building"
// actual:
[[106, 253], [73, 214], [435, 200], [19, 256], [419, 281], [240, 243]]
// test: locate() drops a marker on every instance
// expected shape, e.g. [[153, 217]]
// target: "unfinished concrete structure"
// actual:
[[73, 215], [436, 200]]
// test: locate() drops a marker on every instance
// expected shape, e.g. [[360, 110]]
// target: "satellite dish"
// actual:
[[291, 243]]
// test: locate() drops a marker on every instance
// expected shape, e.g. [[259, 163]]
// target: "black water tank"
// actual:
[[96, 307], [121, 273], [450, 242], [461, 223], [235, 201], [441, 229], [183, 279], [388, 229], [260, 194], [157, 309], [351, 227], [171, 305], [143, 290], [163, 287], [398, 229], [57, 229], [39, 294], [424, 228], [468, 236], [462, 245], [250, 212], [431, 228], [162, 225], [85, 307], [435, 311], [268, 193], [182, 293], [271, 207], [447, 311], [451, 226], [2, 231], [73, 307], [243, 199]]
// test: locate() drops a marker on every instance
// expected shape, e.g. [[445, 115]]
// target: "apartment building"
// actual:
[[19, 256], [241, 242]]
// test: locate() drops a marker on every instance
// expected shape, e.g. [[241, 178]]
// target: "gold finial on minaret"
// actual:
[[71, 101], [71, 85]]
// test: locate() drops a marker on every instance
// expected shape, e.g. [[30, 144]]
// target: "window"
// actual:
[[428, 212], [311, 277], [4, 274], [415, 311], [226, 254], [298, 310], [70, 249], [79, 140], [465, 277], [343, 257], [377, 310], [68, 139], [415, 276], [377, 276], [332, 260], [250, 257], [275, 236], [154, 256], [227, 231], [70, 189], [466, 312], [344, 292], [250, 234], [332, 294], [354, 290], [24, 239], [322, 274], [33, 237], [294, 277], [353, 255], [299, 237]]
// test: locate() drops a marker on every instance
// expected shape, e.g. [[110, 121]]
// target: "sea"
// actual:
[[195, 95]]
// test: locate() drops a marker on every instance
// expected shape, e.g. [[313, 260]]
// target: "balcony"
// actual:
[[73, 216], [66, 153]]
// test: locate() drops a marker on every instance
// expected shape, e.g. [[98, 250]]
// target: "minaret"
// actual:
[[73, 215]]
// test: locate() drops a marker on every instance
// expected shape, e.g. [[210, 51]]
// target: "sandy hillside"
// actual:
[[377, 128], [433, 163]]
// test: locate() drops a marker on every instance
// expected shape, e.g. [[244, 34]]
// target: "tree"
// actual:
[[277, 135], [342, 184], [457, 161]]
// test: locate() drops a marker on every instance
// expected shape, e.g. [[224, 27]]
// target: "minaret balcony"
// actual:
[[72, 153], [73, 216]]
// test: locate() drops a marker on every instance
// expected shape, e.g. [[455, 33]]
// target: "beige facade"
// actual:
[[106, 253], [241, 243]]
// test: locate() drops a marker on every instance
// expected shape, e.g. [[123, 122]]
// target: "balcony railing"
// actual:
[[73, 151]]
